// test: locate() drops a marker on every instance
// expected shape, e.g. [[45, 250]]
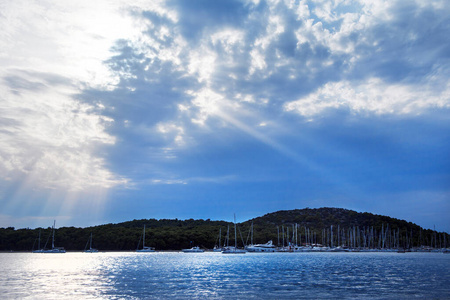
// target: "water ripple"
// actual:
[[216, 276]]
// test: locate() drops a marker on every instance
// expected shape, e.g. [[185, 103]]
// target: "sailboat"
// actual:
[[145, 248], [53, 249], [217, 247], [234, 250], [195, 249], [39, 249], [90, 250]]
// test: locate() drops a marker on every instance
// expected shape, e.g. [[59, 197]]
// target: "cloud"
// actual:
[[186, 77], [290, 97], [50, 137], [51, 140], [372, 96]]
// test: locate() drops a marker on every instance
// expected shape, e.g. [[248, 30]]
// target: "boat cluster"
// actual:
[[270, 247], [54, 249], [350, 240]]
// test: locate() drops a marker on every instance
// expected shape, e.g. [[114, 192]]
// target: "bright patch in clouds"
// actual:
[[51, 137], [371, 96]]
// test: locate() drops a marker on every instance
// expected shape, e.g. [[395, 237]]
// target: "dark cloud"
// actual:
[[408, 46]]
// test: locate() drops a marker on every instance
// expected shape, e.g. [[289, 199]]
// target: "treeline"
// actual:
[[306, 226], [161, 234], [341, 227]]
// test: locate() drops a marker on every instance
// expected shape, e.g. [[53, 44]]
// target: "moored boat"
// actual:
[[90, 250], [54, 249], [39, 249], [145, 248], [267, 247], [234, 250], [195, 249]]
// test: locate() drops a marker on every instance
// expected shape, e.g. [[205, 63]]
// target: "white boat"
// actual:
[[39, 249], [195, 249], [267, 247], [217, 247], [90, 250], [145, 248], [234, 250], [53, 249]]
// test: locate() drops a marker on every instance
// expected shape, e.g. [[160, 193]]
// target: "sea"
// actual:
[[208, 275]]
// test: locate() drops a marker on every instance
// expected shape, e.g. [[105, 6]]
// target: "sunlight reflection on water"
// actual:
[[213, 275]]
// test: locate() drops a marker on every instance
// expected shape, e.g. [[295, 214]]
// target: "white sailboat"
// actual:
[[234, 250], [90, 250], [39, 249], [145, 248], [54, 249], [195, 249], [218, 247]]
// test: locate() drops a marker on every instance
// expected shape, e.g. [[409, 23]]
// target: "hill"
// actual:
[[328, 226]]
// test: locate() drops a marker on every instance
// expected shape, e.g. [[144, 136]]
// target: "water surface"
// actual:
[[164, 275]]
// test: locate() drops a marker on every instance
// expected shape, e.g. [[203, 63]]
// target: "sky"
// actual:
[[114, 110]]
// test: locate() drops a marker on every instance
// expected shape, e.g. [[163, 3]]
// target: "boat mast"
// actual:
[[252, 233], [53, 236], [278, 234], [235, 233], [143, 239], [228, 235]]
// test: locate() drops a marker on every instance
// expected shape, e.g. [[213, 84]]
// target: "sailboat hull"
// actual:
[[234, 251], [146, 249]]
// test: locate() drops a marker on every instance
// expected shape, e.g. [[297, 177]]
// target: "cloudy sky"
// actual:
[[114, 110]]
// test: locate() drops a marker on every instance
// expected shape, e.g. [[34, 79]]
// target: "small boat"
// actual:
[[145, 248], [195, 249], [267, 247], [217, 247], [340, 249], [90, 250], [39, 249], [53, 249], [234, 250]]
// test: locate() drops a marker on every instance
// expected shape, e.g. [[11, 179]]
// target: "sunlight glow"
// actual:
[[201, 62]]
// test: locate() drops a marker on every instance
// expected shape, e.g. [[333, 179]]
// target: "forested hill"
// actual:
[[325, 217], [164, 234]]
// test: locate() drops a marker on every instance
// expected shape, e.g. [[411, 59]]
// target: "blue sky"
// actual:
[[119, 110]]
